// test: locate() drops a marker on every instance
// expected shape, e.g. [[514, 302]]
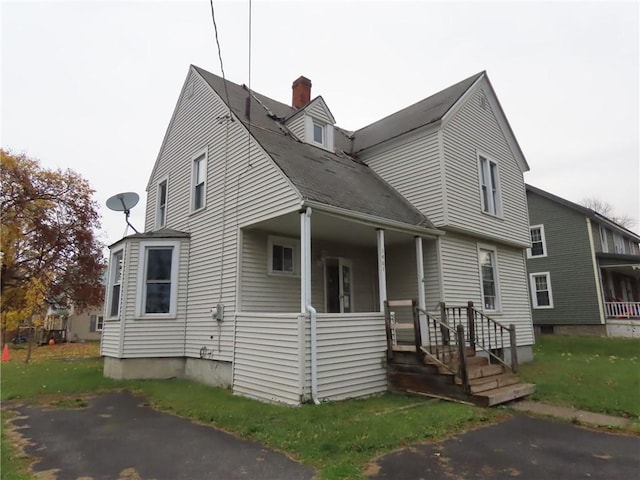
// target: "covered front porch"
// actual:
[[620, 276], [312, 285]]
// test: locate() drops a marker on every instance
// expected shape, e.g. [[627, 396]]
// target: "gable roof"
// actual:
[[318, 175], [430, 110], [588, 212]]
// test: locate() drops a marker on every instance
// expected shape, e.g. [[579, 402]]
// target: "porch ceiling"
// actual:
[[330, 228]]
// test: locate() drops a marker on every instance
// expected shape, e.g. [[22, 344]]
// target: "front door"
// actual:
[[338, 285]]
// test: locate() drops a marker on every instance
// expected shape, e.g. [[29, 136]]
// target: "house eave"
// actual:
[[372, 220]]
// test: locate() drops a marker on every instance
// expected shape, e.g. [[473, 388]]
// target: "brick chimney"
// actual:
[[301, 92]]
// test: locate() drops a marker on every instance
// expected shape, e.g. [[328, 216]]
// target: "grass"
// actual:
[[338, 439], [589, 373]]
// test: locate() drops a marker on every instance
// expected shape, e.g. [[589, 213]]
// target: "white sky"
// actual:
[[92, 85]]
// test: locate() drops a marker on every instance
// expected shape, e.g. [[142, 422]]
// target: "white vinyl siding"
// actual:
[[461, 282], [268, 353], [541, 295], [538, 247], [297, 126], [471, 130], [110, 340], [253, 192], [412, 166]]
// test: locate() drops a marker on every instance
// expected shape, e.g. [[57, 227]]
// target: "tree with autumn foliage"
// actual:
[[49, 250]]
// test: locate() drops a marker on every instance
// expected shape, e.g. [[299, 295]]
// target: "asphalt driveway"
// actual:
[[116, 437], [526, 448]]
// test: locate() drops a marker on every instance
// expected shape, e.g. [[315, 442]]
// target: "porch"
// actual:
[[620, 277]]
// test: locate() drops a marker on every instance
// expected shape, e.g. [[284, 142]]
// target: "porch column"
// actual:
[[305, 259], [382, 270], [422, 302]]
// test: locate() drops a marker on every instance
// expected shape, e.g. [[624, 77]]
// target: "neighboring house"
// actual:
[[85, 325], [584, 270], [261, 214]]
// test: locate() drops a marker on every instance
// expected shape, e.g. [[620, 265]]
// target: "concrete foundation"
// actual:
[[623, 327], [209, 372], [143, 368], [579, 330]]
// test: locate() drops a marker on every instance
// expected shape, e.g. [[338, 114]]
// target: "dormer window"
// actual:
[[318, 133]]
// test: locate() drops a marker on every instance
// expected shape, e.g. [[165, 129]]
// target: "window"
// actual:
[[199, 181], [157, 279], [115, 282], [96, 322], [490, 188], [489, 278], [538, 243], [318, 133], [540, 284], [161, 218], [283, 256], [603, 239], [618, 242]]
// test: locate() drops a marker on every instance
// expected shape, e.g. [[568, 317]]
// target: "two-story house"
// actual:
[[584, 270], [273, 239]]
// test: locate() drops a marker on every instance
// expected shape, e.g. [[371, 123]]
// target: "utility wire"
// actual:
[[215, 29]]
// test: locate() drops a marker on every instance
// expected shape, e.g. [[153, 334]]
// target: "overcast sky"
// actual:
[[91, 86]]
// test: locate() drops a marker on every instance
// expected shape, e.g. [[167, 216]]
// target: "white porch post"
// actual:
[[305, 259], [382, 270], [422, 302]]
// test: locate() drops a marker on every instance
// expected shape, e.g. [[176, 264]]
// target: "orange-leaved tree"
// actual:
[[49, 249]]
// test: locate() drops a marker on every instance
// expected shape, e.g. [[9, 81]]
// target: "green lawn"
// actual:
[[338, 439], [589, 373]]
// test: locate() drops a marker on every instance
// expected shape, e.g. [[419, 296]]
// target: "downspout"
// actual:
[[305, 233]]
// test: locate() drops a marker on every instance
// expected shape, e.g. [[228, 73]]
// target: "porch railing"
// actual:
[[622, 309], [483, 333]]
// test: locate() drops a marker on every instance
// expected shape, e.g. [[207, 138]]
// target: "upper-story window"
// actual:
[[603, 239], [318, 133], [115, 283], [199, 181], [490, 186], [618, 242], [161, 212], [538, 242]]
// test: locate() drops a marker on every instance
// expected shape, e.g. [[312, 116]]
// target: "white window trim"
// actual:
[[544, 242], [493, 206], [99, 325], [111, 276], [285, 242], [532, 288], [327, 133], [192, 197], [496, 273], [160, 224], [140, 290]]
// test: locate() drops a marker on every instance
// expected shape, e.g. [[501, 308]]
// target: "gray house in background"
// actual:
[[584, 270]]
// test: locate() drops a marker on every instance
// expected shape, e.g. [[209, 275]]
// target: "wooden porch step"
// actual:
[[479, 371], [483, 384], [505, 394], [404, 348], [402, 326], [448, 350], [471, 362]]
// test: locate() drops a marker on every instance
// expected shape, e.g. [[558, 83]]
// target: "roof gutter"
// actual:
[[372, 220]]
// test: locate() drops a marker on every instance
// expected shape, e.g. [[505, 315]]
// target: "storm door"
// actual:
[[338, 285]]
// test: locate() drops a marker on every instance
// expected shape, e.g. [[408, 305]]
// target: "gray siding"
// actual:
[[242, 187], [569, 262], [461, 282], [475, 129], [412, 166]]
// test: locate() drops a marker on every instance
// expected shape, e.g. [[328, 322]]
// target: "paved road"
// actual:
[[117, 438], [521, 447]]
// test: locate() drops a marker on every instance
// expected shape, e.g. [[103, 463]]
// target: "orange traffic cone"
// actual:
[[5, 353]]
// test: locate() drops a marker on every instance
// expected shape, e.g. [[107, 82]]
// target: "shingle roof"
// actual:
[[424, 112], [319, 175]]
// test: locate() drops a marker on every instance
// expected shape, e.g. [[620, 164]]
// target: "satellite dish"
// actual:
[[124, 202]]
